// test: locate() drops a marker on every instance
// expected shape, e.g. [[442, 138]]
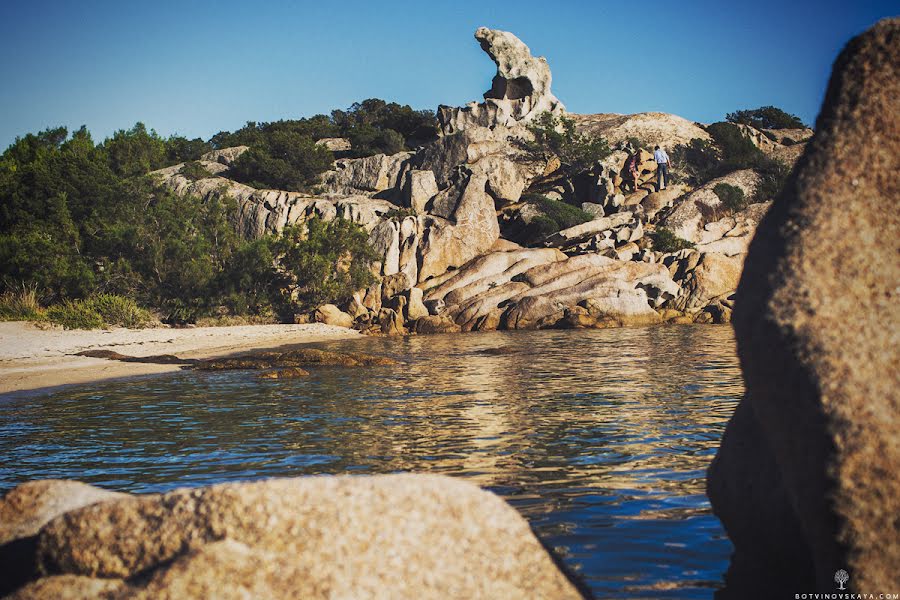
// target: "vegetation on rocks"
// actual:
[[284, 154], [730, 150], [732, 197], [664, 240], [321, 262], [555, 136], [193, 170], [555, 216], [765, 117]]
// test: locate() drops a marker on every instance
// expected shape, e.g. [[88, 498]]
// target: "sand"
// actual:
[[32, 358]]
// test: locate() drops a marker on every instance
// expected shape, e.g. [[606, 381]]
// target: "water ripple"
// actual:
[[600, 438]]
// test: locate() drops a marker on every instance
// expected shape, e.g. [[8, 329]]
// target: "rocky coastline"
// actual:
[[805, 481], [443, 219]]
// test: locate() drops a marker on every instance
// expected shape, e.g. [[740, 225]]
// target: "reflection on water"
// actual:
[[600, 438]]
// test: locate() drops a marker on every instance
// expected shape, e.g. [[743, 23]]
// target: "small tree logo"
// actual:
[[840, 578]]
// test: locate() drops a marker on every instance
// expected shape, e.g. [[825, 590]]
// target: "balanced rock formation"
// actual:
[[806, 479], [519, 92], [388, 536]]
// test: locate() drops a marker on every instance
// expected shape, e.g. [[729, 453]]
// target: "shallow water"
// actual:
[[599, 438]]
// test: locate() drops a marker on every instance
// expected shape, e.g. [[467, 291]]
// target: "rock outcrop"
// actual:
[[805, 480], [434, 213], [397, 536], [650, 128], [263, 212], [520, 90], [692, 217]]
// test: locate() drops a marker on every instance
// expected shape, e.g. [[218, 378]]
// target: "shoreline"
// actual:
[[33, 359]]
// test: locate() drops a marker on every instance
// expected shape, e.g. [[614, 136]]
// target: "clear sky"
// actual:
[[198, 67]]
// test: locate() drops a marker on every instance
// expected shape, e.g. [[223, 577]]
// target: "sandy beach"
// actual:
[[32, 358]]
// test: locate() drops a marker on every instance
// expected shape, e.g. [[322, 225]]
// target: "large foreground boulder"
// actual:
[[390, 536], [806, 480]]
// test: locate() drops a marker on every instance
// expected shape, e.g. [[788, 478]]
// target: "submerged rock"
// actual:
[[286, 373], [294, 358], [806, 479], [395, 536]]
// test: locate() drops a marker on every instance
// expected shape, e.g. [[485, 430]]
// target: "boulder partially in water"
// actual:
[[302, 357], [392, 536], [806, 479]]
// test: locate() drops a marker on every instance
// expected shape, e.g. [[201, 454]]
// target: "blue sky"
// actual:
[[198, 67]]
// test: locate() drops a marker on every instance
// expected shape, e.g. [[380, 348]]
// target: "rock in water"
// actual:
[[519, 92], [806, 480], [387, 536]]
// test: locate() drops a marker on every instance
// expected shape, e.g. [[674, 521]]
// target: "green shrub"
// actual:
[[194, 171], [696, 160], [731, 150], [399, 213], [765, 117], [285, 161], [118, 310], [731, 197], [555, 216], [375, 126], [75, 314], [180, 149], [773, 175], [21, 304], [665, 240], [322, 262], [556, 136]]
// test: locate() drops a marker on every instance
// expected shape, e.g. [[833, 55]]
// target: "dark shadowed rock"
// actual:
[[806, 480], [389, 536]]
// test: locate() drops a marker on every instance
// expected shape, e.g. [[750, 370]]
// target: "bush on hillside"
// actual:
[[555, 216], [765, 117], [731, 197], [664, 240], [731, 150], [322, 262], [193, 170], [285, 160], [556, 136]]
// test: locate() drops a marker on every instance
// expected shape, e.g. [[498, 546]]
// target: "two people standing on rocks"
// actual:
[[662, 168]]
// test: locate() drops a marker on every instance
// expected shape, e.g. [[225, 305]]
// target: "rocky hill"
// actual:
[[443, 218]]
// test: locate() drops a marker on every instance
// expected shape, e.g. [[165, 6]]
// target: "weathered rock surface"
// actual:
[[335, 144], [520, 90], [332, 315], [399, 536], [224, 156], [650, 128], [714, 275], [805, 480], [702, 206], [366, 175], [533, 288], [28, 507], [262, 212]]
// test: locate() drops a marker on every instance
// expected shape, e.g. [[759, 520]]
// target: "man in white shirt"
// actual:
[[662, 168]]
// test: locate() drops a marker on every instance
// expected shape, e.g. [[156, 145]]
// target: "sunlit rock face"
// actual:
[[391, 536], [520, 90], [805, 480]]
